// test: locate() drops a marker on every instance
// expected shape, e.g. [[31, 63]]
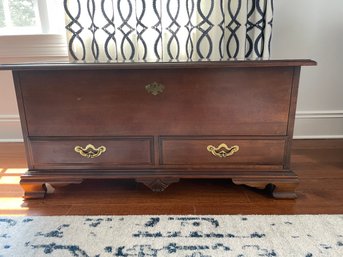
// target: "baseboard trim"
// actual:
[[319, 124], [319, 137], [9, 118], [10, 128], [11, 140], [319, 114]]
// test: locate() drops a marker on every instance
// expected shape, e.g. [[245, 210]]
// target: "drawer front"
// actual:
[[91, 153], [221, 152], [213, 101]]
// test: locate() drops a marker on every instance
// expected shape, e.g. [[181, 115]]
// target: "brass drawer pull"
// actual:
[[90, 151], [154, 88], [222, 150]]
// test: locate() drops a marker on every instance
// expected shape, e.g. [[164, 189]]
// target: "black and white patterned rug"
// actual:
[[172, 236]]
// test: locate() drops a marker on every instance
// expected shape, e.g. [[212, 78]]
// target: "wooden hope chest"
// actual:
[[158, 122]]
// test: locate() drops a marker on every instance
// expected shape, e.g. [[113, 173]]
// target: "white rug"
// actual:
[[172, 236]]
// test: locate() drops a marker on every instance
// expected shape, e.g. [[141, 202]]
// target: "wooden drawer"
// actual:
[[220, 101], [238, 152], [108, 153]]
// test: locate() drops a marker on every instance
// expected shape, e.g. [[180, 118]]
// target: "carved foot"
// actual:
[[38, 187], [33, 190], [157, 184], [280, 189], [285, 190]]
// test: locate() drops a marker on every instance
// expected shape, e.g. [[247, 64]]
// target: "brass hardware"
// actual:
[[222, 150], [90, 151], [154, 88]]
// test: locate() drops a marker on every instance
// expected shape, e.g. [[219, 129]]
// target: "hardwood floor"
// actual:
[[318, 163]]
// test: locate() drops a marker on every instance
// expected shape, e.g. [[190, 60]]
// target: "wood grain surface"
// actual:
[[251, 104], [222, 101], [319, 164]]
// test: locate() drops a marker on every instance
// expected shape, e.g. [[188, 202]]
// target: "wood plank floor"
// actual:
[[319, 164]]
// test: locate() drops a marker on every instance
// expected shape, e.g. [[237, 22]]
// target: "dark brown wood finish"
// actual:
[[157, 184], [318, 163], [158, 139], [157, 65], [291, 116], [210, 101], [57, 153], [192, 151]]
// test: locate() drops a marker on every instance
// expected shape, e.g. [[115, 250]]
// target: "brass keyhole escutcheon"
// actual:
[[223, 151], [90, 151], [154, 88]]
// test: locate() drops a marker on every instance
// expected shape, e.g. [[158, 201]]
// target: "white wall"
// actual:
[[302, 29], [314, 29]]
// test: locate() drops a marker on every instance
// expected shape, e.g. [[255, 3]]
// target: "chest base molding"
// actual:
[[281, 184]]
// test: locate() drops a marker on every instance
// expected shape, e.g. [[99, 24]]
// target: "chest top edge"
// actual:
[[157, 65]]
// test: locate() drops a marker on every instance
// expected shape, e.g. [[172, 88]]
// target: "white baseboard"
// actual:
[[319, 114], [318, 137], [318, 124], [10, 128], [11, 140], [9, 118], [308, 125]]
